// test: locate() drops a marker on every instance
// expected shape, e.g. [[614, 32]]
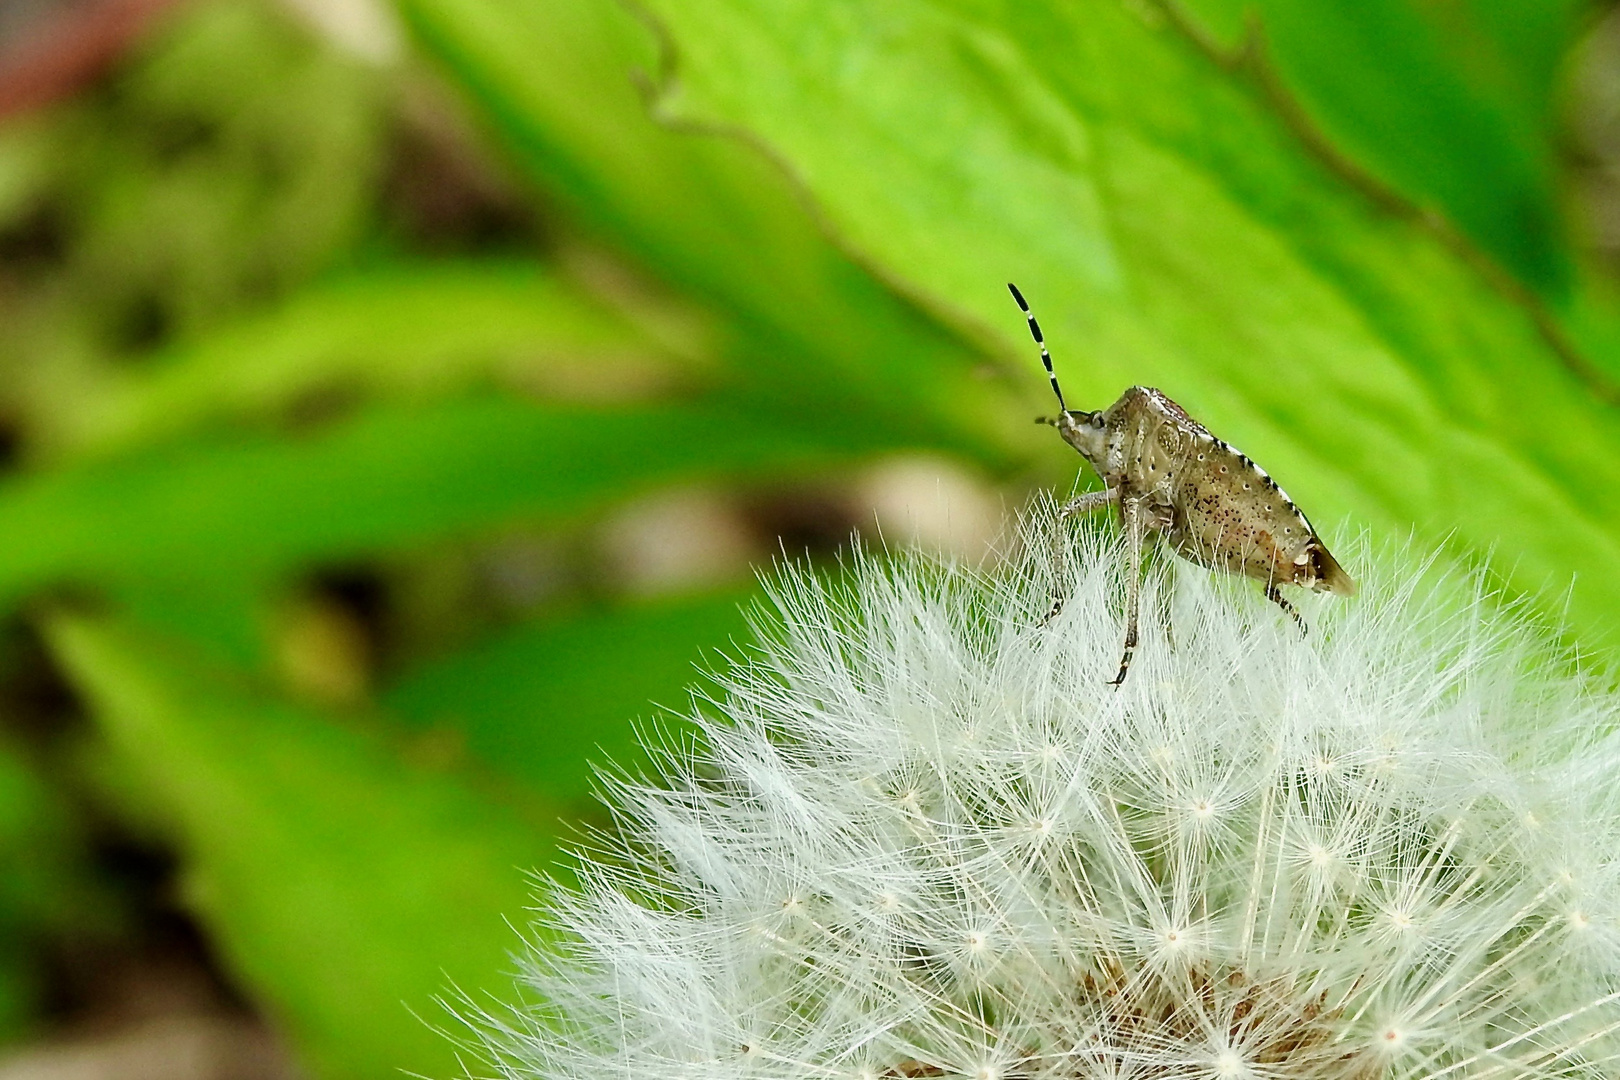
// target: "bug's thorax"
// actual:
[[1105, 438]]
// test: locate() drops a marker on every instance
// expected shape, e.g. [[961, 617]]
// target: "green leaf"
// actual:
[[543, 700], [401, 329], [1172, 231], [558, 82], [41, 847], [1450, 104], [389, 478], [346, 888], [46, 889]]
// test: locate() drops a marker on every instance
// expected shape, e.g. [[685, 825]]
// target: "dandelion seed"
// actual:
[[922, 840]]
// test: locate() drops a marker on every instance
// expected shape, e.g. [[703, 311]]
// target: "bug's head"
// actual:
[[1086, 431]]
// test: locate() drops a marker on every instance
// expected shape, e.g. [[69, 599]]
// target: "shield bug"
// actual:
[[1171, 478]]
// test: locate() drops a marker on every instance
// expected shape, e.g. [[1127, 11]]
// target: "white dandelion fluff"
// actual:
[[922, 837]]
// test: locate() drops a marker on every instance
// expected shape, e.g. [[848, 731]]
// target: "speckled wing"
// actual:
[[1226, 512]]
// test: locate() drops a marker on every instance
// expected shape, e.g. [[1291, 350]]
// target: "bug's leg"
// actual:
[[1083, 504], [1131, 512], [1277, 598]]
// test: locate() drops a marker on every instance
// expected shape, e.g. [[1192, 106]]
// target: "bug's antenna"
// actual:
[[1035, 332]]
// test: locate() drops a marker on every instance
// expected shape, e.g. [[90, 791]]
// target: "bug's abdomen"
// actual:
[[1230, 516], [1212, 504]]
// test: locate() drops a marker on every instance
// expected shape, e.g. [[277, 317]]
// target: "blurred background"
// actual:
[[397, 403]]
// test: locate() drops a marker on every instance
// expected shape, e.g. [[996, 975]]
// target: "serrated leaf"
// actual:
[[346, 888], [1171, 230], [1450, 104]]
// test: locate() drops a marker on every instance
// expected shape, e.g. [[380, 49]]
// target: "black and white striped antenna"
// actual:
[[1035, 332]]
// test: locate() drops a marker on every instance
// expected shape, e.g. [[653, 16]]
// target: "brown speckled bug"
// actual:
[[1170, 477]]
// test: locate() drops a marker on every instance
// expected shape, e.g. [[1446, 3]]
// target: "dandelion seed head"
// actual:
[[921, 837]]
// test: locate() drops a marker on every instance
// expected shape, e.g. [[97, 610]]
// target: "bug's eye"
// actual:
[[1096, 419]]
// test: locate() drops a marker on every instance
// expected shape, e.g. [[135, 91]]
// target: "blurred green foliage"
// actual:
[[228, 165], [45, 885], [329, 868], [298, 348], [576, 677]]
